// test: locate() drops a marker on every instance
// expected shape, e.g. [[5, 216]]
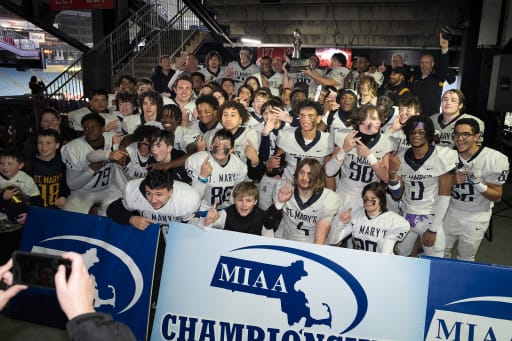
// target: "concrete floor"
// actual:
[[498, 251]]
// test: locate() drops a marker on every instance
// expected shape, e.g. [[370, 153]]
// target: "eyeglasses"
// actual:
[[370, 201], [464, 135]]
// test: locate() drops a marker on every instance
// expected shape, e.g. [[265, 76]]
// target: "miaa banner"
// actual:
[[120, 259]]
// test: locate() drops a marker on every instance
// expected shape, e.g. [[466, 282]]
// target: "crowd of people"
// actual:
[[372, 158]]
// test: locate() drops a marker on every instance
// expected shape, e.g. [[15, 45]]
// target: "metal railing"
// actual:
[[68, 86], [170, 40], [147, 34]]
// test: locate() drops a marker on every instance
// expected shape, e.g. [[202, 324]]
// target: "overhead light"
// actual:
[[250, 41]]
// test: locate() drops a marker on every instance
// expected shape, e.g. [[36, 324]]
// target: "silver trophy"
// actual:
[[297, 44], [296, 63]]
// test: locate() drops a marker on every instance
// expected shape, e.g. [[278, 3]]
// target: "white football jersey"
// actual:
[[241, 73], [75, 117], [356, 171], [242, 137], [338, 74], [180, 141], [445, 130], [421, 178], [339, 122], [291, 141], [255, 122], [303, 78], [378, 234], [74, 156], [300, 219], [210, 76], [197, 128], [136, 168], [130, 123], [489, 165], [220, 182], [400, 139], [190, 108], [182, 206], [274, 81]]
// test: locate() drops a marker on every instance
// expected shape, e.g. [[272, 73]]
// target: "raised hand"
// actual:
[[394, 162], [346, 216], [201, 143], [274, 161], [281, 114], [285, 193], [206, 168], [362, 149], [443, 43], [396, 124], [112, 125], [350, 141], [212, 215], [252, 153]]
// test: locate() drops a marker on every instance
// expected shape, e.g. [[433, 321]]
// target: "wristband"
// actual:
[[372, 159], [203, 180], [480, 187], [394, 187]]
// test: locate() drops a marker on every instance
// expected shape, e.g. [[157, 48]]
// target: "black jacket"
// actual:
[[160, 80]]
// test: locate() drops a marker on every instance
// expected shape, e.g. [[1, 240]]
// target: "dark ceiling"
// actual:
[[375, 24]]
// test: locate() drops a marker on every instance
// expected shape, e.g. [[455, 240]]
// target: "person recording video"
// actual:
[[75, 297]]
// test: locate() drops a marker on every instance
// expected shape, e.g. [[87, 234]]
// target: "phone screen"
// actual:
[[37, 269]]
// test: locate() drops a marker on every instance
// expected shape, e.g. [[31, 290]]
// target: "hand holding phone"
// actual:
[[37, 269], [6, 278], [76, 293]]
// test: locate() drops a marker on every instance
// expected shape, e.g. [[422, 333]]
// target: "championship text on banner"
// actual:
[[222, 285], [119, 258], [468, 301]]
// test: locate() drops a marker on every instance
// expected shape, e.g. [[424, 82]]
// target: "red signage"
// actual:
[[325, 54], [60, 5]]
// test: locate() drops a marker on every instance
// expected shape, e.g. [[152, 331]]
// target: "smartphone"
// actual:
[[37, 269]]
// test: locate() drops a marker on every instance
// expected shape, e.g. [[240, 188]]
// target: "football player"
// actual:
[[452, 104], [155, 199], [362, 155], [91, 183], [308, 208], [215, 172], [479, 180], [372, 227], [243, 68], [302, 142], [421, 177]]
